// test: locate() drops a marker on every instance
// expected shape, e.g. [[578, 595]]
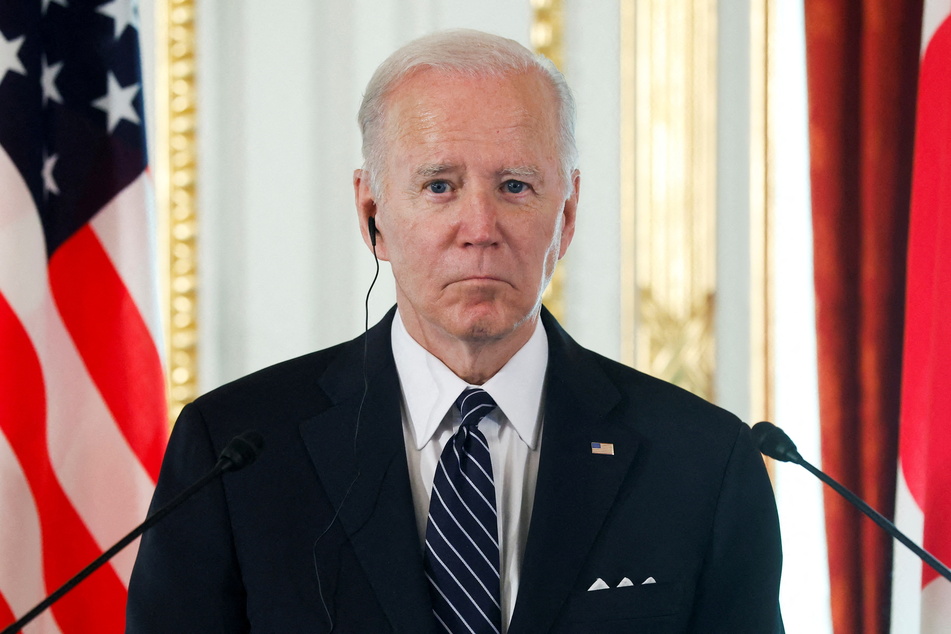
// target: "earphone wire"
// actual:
[[366, 330], [356, 430]]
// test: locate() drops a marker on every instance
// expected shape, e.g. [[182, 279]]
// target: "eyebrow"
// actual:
[[428, 170], [524, 171]]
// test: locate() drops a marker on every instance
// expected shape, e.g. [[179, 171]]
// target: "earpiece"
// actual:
[[371, 226]]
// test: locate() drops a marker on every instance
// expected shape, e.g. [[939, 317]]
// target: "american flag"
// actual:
[[82, 406]]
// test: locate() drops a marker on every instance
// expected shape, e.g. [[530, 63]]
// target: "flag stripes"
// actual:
[[130, 241], [122, 360], [66, 543], [23, 551], [83, 428], [6, 615], [82, 406]]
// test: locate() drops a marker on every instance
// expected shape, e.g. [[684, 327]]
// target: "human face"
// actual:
[[474, 210]]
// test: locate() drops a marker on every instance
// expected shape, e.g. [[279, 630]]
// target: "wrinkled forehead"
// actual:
[[428, 97]]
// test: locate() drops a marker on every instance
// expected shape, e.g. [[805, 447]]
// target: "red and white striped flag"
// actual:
[[82, 406], [922, 599]]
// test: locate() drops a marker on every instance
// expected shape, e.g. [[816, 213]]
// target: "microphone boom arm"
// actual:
[[240, 452], [773, 442], [881, 520]]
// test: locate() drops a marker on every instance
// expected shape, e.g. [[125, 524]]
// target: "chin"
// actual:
[[490, 325], [482, 332]]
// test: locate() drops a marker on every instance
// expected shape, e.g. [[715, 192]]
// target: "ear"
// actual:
[[367, 209], [570, 212]]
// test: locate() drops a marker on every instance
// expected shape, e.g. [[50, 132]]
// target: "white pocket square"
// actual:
[[598, 585], [625, 582], [647, 581]]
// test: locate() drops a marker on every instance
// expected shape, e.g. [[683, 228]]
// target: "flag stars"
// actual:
[[10, 56], [49, 182], [50, 91], [123, 13], [117, 103], [47, 3]]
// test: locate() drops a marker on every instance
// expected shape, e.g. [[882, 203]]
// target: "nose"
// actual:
[[479, 225]]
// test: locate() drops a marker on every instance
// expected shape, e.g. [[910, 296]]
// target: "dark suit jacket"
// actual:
[[322, 526]]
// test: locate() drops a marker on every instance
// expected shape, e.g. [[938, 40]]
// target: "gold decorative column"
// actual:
[[761, 211], [547, 36], [175, 176], [668, 189], [548, 30]]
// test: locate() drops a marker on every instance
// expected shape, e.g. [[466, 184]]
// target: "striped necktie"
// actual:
[[462, 537]]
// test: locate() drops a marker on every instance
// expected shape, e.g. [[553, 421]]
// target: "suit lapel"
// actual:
[[575, 488], [574, 492], [367, 480]]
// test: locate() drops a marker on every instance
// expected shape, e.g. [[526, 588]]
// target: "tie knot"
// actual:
[[474, 403]]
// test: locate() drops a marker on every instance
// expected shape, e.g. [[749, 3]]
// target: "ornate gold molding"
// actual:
[[175, 180], [761, 210], [547, 37], [668, 189], [548, 30]]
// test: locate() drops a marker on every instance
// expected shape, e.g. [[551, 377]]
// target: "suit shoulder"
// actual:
[[659, 394], [641, 397], [675, 428], [659, 402], [280, 397], [288, 374], [284, 391]]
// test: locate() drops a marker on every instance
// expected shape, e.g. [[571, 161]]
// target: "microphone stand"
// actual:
[[240, 452], [881, 520], [773, 442]]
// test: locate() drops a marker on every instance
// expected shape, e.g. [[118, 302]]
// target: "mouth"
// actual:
[[479, 280]]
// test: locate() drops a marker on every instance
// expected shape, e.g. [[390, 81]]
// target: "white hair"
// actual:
[[469, 53]]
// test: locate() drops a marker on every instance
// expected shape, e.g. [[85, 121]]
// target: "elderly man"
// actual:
[[464, 466]]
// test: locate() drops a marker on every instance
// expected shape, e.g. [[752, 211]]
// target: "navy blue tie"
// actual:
[[462, 536]]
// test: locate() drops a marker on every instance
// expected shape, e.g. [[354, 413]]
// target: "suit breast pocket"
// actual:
[[626, 604]]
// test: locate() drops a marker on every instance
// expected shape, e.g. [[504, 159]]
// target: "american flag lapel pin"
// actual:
[[602, 448]]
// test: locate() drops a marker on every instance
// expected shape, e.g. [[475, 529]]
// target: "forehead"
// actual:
[[435, 109]]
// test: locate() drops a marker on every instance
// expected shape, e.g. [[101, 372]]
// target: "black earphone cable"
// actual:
[[371, 225]]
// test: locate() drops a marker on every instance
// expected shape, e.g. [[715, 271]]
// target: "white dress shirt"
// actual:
[[513, 431]]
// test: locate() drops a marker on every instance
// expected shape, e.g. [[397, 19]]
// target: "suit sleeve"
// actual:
[[739, 585], [186, 577]]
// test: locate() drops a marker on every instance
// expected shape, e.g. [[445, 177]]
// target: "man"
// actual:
[[617, 502]]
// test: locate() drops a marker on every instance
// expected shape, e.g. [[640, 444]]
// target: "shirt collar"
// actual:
[[430, 388]]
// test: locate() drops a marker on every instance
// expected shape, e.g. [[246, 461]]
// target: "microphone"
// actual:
[[238, 454], [773, 442]]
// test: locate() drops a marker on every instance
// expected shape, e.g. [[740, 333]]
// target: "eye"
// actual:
[[515, 187], [438, 187]]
